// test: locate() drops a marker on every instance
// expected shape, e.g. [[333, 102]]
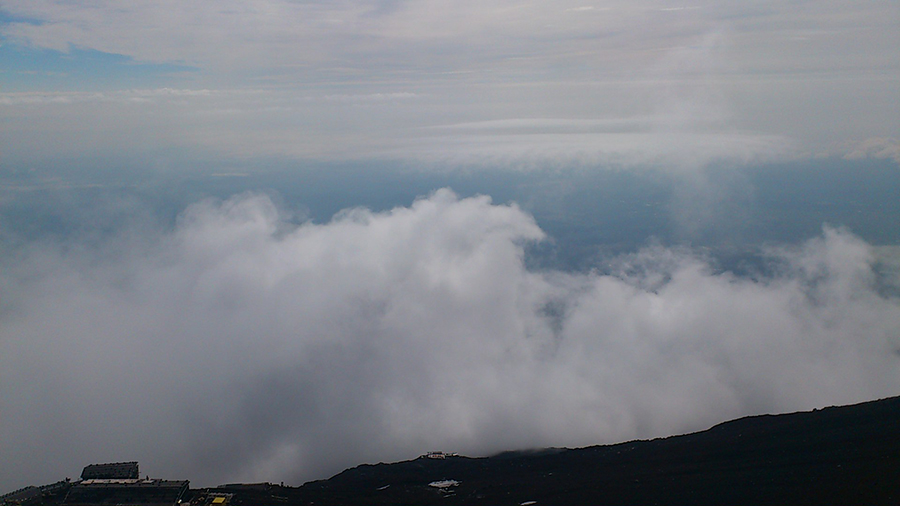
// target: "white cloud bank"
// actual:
[[240, 347]]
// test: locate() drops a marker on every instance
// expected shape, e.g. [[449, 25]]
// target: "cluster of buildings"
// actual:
[[114, 484], [439, 455]]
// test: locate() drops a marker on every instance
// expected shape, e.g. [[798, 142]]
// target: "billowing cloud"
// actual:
[[240, 346]]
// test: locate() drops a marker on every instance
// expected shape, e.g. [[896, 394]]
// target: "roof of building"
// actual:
[[126, 492], [114, 470]]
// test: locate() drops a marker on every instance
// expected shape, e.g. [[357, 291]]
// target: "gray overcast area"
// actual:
[[267, 240]]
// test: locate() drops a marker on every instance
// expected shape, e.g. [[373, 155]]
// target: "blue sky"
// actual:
[[33, 69], [26, 67]]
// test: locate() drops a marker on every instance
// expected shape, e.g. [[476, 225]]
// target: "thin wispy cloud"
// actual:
[[735, 66]]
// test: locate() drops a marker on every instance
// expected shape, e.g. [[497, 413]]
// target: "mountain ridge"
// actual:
[[839, 455], [834, 455]]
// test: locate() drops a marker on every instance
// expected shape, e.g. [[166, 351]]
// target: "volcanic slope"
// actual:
[[837, 455]]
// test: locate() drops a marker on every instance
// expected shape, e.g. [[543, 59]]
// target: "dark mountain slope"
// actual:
[[835, 456], [839, 455]]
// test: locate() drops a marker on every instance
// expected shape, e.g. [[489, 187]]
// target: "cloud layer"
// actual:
[[242, 347], [822, 74], [163, 123], [394, 37]]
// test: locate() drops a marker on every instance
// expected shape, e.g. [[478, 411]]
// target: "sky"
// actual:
[[268, 240]]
